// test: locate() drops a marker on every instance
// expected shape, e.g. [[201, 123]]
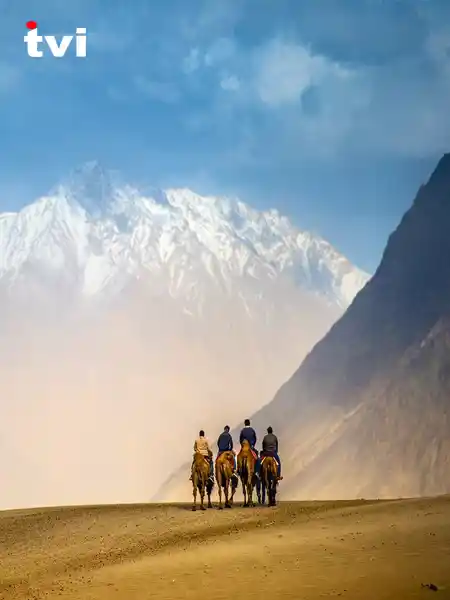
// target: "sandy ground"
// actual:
[[301, 551]]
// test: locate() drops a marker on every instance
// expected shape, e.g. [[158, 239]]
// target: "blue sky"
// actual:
[[333, 111]]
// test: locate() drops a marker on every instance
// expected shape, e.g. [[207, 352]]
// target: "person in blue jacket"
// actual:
[[249, 434], [225, 443]]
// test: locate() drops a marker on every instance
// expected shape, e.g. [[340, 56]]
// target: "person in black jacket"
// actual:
[[270, 448]]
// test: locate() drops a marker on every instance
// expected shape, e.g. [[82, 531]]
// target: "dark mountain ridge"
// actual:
[[409, 291], [383, 368], [367, 414]]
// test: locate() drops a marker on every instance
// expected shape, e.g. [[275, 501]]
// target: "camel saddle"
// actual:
[[266, 455]]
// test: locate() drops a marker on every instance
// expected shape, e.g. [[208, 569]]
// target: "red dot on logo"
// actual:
[[31, 25]]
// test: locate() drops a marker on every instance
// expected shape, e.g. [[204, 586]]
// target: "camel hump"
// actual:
[[226, 456], [247, 452], [200, 458]]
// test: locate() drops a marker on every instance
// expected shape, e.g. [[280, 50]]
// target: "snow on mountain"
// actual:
[[100, 282], [101, 234]]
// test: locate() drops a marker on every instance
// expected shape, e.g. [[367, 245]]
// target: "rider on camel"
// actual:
[[270, 448], [201, 446], [225, 443], [249, 434]]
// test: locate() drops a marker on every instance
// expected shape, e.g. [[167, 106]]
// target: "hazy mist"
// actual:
[[101, 403]]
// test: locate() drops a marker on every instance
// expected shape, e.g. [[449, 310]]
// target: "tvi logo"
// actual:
[[58, 50]]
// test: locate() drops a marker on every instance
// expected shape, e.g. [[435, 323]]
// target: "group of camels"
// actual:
[[225, 481]]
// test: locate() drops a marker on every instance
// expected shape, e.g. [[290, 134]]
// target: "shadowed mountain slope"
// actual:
[[367, 412]]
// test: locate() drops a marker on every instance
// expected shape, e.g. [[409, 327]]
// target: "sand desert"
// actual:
[[357, 550]]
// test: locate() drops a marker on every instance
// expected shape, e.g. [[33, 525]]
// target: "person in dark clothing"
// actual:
[[270, 448], [249, 434], [225, 443]]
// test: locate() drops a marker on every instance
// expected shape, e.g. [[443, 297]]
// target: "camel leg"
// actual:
[[227, 492], [271, 488], [250, 494], [244, 491], [220, 494], [233, 491], [202, 497], [258, 489], [194, 493]]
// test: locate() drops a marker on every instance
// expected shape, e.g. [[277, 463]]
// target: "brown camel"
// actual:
[[224, 477], [246, 469], [269, 480], [200, 476]]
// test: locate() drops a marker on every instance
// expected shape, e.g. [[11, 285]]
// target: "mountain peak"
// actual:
[[418, 249], [439, 183], [443, 166], [91, 186], [191, 242]]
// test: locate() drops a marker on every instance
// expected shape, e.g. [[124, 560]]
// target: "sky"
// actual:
[[332, 111]]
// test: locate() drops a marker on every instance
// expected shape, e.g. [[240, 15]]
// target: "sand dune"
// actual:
[[355, 549]]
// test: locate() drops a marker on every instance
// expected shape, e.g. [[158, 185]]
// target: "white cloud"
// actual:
[[292, 98], [230, 83], [284, 71], [218, 52], [324, 107], [192, 61], [221, 50]]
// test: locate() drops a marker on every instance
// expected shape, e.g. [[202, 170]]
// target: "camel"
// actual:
[[246, 469], [200, 476], [269, 480], [224, 476]]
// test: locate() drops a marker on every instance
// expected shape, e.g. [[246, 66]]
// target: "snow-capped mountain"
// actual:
[[131, 319], [100, 235]]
